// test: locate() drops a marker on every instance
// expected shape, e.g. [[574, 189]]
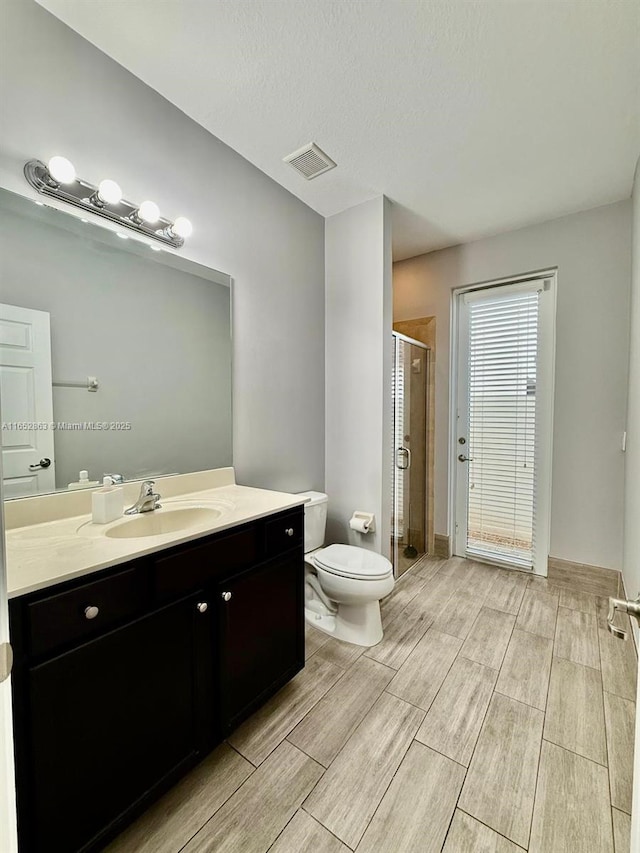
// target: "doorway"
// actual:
[[410, 388], [501, 447]]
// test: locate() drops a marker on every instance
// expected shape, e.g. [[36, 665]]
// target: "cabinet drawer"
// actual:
[[84, 611], [193, 567], [284, 532]]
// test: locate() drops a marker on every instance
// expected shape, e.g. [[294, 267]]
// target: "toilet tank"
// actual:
[[315, 520]]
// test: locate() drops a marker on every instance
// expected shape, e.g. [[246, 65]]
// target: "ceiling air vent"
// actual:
[[310, 161]]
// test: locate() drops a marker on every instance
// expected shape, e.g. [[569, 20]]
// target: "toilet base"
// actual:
[[359, 624]]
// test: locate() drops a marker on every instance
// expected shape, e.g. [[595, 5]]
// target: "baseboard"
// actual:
[[592, 579], [441, 546]]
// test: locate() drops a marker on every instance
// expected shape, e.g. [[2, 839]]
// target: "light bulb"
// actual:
[[182, 227], [62, 170], [149, 212], [109, 192]]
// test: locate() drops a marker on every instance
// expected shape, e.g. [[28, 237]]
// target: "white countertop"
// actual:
[[40, 555]]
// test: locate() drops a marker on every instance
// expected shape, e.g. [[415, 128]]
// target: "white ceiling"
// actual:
[[472, 117]]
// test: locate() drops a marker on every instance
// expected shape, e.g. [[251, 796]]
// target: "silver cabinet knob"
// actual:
[[202, 606], [91, 611], [289, 531], [226, 596]]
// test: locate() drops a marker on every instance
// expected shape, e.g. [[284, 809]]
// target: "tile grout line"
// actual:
[[499, 669], [244, 757], [348, 846], [544, 722], [439, 688], [624, 699], [285, 737], [606, 731], [404, 755], [573, 752], [473, 817], [324, 767], [468, 767], [400, 763], [211, 816]]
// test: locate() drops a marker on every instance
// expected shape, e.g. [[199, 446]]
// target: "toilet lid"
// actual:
[[351, 562]]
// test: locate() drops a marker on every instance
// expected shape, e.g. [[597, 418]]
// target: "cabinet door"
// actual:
[[110, 720], [261, 643]]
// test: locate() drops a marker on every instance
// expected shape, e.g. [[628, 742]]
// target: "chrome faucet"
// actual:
[[630, 607], [147, 499]]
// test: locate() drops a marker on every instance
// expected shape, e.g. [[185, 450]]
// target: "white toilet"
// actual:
[[343, 584]]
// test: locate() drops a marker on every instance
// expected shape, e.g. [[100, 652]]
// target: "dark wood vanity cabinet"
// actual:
[[260, 636], [111, 719], [110, 711]]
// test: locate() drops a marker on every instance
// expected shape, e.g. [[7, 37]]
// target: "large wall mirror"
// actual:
[[114, 358]]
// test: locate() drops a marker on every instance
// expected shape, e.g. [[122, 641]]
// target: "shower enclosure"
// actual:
[[410, 383]]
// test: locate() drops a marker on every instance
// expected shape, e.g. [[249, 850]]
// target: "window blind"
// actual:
[[503, 351]]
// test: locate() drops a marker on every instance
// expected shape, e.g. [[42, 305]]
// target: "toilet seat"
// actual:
[[348, 561]]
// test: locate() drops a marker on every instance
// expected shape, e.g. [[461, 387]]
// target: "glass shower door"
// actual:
[[409, 521]]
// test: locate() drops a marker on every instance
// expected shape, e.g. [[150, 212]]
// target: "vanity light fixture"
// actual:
[[108, 192], [181, 228], [58, 180], [61, 170], [148, 212]]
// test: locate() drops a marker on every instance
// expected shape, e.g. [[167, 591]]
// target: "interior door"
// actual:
[[410, 387], [503, 425], [27, 401]]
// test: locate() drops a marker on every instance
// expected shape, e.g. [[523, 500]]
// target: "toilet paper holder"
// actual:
[[363, 522]]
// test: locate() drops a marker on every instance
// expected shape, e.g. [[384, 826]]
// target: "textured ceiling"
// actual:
[[472, 117]]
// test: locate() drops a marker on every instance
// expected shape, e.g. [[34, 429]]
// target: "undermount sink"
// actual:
[[167, 519]]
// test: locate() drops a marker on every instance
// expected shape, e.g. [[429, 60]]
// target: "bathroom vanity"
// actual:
[[126, 675]]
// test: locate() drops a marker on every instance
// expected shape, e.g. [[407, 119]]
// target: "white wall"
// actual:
[[631, 568], [59, 94], [592, 251], [358, 371]]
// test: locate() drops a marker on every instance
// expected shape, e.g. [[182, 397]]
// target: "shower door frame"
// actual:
[[412, 341]]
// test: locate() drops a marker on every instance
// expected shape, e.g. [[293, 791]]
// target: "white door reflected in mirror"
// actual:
[[27, 401]]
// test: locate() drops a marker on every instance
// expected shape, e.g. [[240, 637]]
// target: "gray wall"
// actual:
[[60, 95], [592, 251], [358, 371], [158, 339], [632, 456]]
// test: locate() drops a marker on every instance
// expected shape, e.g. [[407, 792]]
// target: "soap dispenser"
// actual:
[[83, 482], [107, 503]]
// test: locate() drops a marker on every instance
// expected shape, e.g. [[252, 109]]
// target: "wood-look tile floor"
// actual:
[[496, 716]]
